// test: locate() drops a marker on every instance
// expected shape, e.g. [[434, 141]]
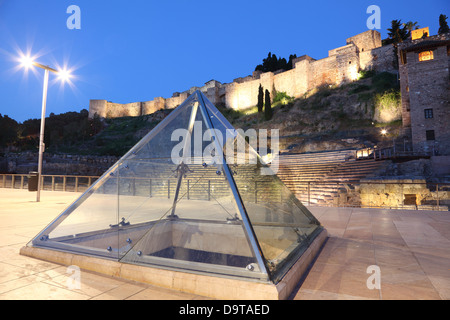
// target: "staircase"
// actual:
[[325, 178]]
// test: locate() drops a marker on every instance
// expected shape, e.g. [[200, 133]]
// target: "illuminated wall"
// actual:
[[363, 51]]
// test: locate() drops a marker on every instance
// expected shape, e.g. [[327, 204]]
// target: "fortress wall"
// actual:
[[363, 51], [97, 107], [114, 110], [366, 41], [174, 102], [149, 107], [383, 58], [247, 95], [347, 64], [302, 76], [286, 82], [322, 72]]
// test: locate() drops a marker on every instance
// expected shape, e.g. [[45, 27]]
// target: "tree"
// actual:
[[8, 131], [398, 32], [290, 62], [272, 63], [410, 26], [267, 106], [443, 26], [260, 99]]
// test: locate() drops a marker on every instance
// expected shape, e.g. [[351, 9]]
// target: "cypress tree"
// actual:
[[267, 106], [260, 99], [443, 26]]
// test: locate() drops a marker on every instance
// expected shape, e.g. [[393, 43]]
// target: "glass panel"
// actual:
[[89, 225], [201, 230], [160, 142], [282, 225]]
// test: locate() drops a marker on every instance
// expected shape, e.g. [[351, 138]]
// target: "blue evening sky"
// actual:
[[136, 50]]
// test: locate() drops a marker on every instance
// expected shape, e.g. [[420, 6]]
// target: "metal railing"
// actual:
[[48, 182], [418, 195], [393, 151]]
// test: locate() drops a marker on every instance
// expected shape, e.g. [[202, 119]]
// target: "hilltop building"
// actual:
[[423, 71], [361, 52], [424, 81]]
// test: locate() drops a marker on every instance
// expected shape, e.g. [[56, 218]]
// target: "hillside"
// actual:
[[328, 118]]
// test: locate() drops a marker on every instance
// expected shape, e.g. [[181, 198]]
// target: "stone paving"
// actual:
[[410, 251]]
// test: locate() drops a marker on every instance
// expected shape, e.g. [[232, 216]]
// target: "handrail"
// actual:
[[308, 191]]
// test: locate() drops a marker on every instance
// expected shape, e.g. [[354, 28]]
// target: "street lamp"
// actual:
[[28, 62]]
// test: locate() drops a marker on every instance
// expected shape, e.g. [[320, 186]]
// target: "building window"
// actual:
[[430, 134], [426, 55], [428, 113]]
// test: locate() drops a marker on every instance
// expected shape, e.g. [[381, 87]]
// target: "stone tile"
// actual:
[[355, 284], [442, 227], [388, 256], [433, 264], [124, 291], [411, 248], [310, 294], [442, 286], [323, 277], [42, 291], [408, 292], [18, 283], [155, 293], [9, 272], [90, 284]]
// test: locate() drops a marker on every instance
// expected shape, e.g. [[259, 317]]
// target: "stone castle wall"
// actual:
[[361, 52]]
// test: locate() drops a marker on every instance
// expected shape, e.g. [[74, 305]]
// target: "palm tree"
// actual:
[[410, 26]]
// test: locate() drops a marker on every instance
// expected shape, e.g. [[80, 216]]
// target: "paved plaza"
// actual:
[[370, 254]]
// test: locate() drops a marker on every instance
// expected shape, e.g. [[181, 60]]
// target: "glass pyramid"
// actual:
[[173, 201]]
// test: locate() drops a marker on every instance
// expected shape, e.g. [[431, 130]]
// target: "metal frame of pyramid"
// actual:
[[261, 238]]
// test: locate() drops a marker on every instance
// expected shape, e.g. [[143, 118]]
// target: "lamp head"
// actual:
[[64, 75], [26, 61]]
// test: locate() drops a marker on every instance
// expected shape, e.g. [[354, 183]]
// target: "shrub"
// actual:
[[359, 88], [282, 97], [364, 74], [384, 81], [387, 106]]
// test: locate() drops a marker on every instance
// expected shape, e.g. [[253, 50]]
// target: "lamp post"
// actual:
[[28, 62]]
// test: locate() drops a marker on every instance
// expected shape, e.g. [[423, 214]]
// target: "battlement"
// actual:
[[361, 52]]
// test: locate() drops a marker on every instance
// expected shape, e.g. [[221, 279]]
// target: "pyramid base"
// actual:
[[200, 284]]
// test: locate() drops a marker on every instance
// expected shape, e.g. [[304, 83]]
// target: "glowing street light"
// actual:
[[28, 62], [383, 132]]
